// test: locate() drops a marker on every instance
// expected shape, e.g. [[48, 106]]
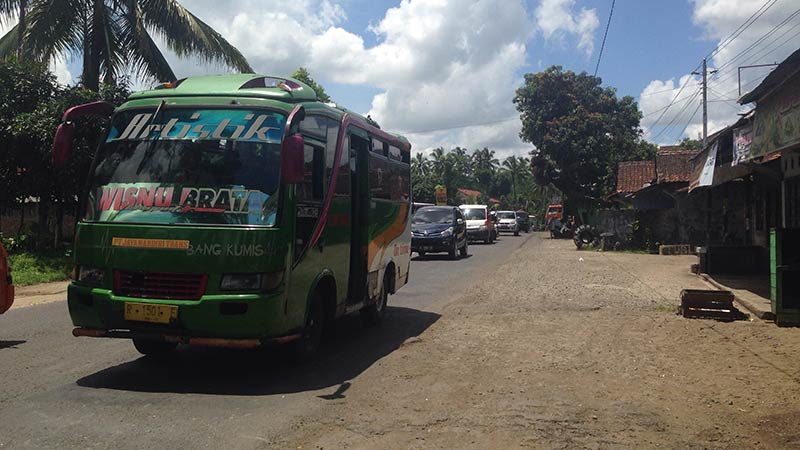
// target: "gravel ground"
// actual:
[[565, 349]]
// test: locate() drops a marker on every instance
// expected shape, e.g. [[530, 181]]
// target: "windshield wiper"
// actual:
[[152, 144]]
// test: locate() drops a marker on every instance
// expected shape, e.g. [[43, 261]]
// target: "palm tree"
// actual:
[[112, 36], [484, 160], [420, 165], [515, 166]]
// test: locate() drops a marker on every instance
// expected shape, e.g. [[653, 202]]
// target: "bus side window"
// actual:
[[313, 187]]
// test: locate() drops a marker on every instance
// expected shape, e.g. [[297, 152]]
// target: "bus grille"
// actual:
[[164, 285]]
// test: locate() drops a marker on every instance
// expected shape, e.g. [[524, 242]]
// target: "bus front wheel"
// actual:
[[305, 348]]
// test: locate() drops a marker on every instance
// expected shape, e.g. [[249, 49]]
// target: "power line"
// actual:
[[665, 107], [676, 97], [605, 35], [761, 39], [688, 122], [745, 25], [674, 118]]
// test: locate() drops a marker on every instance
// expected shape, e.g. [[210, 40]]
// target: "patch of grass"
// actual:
[[40, 267]]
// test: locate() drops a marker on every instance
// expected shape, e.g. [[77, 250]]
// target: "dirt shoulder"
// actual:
[[38, 294], [553, 352]]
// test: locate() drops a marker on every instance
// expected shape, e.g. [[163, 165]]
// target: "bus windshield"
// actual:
[[173, 166]]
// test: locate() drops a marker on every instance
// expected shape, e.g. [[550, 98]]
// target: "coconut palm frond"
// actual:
[[55, 27], [9, 42], [187, 35], [144, 56]]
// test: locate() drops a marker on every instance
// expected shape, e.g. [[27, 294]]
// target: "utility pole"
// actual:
[[705, 101]]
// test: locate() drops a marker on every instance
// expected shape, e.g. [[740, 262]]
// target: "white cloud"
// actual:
[[556, 18], [437, 64], [718, 19]]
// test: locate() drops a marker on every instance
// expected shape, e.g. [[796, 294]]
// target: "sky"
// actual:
[[444, 72]]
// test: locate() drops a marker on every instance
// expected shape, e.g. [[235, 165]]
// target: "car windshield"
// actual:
[[174, 166], [474, 213], [506, 215], [554, 209], [433, 215]]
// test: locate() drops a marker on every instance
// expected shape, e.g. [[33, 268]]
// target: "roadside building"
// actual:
[[774, 152]]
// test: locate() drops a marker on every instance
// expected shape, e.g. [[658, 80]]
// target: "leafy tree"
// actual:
[[113, 36], [303, 75], [580, 131], [692, 144], [31, 105]]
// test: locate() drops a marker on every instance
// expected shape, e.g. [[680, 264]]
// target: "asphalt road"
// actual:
[[60, 392]]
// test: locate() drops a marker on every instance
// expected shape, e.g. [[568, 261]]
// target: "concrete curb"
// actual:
[[755, 309]]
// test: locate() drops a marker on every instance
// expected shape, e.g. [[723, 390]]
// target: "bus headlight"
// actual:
[[90, 275], [240, 282], [251, 281]]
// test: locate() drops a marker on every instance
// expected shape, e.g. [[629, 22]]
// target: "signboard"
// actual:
[[777, 120], [707, 174], [441, 195], [742, 144]]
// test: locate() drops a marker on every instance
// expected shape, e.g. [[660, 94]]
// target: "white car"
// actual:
[[507, 222]]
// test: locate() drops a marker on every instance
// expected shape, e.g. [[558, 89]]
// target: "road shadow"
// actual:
[[438, 257], [350, 350], [10, 344]]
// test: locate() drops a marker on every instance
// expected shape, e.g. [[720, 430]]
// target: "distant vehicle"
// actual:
[[554, 211], [417, 205], [438, 229], [480, 225], [523, 221], [507, 222], [6, 284]]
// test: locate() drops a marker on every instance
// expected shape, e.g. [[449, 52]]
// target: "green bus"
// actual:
[[236, 211]]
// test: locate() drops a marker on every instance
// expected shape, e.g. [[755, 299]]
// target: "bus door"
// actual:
[[359, 231]]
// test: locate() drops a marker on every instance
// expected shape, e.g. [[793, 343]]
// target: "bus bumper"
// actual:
[[212, 320], [198, 341]]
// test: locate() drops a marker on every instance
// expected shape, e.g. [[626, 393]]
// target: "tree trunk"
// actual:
[[44, 215], [23, 26], [21, 219], [92, 45]]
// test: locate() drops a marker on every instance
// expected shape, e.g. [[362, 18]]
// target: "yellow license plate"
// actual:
[[145, 312]]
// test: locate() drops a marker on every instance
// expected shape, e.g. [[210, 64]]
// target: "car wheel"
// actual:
[[150, 347], [373, 314], [516, 232], [488, 238], [453, 252], [305, 348], [464, 251]]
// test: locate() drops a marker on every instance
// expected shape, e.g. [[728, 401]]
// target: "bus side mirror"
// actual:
[[292, 159], [62, 143]]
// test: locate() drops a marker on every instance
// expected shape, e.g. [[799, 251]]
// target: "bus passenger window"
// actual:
[[313, 186]]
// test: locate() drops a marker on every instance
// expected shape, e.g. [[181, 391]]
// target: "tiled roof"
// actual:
[[634, 175], [469, 192], [672, 164]]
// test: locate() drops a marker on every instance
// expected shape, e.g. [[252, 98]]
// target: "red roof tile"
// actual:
[[469, 192], [634, 175], [672, 163]]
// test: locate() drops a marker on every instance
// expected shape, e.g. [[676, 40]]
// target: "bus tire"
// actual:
[[305, 348], [150, 347], [373, 314]]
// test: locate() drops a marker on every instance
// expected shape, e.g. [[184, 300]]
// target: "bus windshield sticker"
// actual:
[[184, 199], [179, 124]]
